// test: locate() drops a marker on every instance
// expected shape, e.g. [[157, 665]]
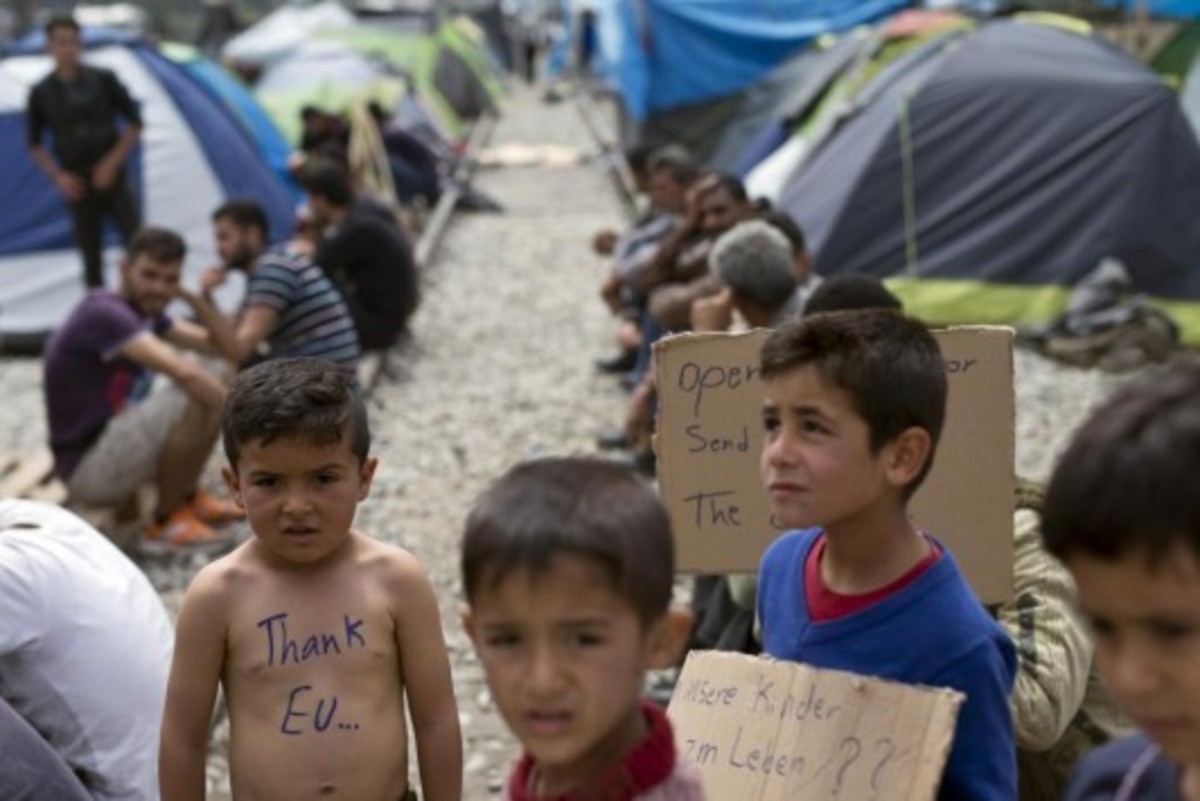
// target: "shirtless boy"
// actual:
[[315, 632]]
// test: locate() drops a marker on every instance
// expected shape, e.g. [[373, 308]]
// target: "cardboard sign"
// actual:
[[760, 730], [710, 437]]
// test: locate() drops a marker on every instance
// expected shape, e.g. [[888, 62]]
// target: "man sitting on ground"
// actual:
[[291, 307], [368, 260], [109, 433]]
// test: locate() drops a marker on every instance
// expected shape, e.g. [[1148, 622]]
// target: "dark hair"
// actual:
[[310, 112], [327, 178], [732, 185], [243, 213], [313, 400], [783, 222], [889, 365], [157, 244], [1130, 479], [850, 292], [638, 158], [573, 507], [676, 160], [60, 21]]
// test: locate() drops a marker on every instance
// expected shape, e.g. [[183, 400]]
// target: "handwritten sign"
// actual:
[[760, 730], [307, 710], [710, 438]]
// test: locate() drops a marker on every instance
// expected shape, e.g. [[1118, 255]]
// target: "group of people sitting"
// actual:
[[349, 286]]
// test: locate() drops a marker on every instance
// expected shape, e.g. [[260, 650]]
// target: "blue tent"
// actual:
[[663, 54], [192, 156]]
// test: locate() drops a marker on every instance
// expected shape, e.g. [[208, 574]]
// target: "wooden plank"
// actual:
[[28, 474]]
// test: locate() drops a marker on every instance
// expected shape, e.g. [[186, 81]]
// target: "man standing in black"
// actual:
[[79, 105]]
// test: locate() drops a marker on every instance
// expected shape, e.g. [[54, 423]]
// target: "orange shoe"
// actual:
[[183, 529], [213, 511]]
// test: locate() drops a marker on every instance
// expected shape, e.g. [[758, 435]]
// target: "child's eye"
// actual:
[[503, 640], [770, 423], [1169, 630], [1102, 629], [327, 478], [584, 639], [810, 426], [266, 482]]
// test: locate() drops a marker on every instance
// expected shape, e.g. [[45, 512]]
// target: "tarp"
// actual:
[[192, 156], [662, 54], [990, 179]]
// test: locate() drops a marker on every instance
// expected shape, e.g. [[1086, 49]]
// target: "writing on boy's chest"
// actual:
[[284, 646], [305, 658]]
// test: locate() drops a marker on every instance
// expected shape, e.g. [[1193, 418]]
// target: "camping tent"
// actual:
[[988, 175], [281, 31], [229, 91], [192, 156]]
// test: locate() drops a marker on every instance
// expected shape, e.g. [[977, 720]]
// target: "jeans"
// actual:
[[89, 214]]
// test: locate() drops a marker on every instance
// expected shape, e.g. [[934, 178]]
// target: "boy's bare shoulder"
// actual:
[[227, 574], [390, 564]]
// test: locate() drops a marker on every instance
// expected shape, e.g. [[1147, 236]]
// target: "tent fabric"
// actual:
[[663, 54], [1009, 165], [237, 99], [281, 31], [192, 156]]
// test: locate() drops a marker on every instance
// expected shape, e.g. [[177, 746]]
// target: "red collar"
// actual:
[[649, 764]]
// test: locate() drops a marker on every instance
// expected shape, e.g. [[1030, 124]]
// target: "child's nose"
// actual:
[[296, 503], [544, 674]]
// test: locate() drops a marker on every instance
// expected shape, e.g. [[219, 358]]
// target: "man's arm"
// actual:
[[70, 185], [150, 351], [105, 171], [425, 669], [234, 342], [195, 673], [1054, 651]]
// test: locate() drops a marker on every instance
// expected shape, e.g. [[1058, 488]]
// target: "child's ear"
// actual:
[[669, 637], [906, 455], [366, 474], [467, 619], [231, 483]]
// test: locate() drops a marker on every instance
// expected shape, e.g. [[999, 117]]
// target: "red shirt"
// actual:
[[824, 604]]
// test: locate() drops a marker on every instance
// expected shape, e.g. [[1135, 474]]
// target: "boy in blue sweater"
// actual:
[[854, 405], [1123, 513]]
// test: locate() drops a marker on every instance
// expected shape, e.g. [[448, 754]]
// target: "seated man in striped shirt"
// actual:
[[291, 308]]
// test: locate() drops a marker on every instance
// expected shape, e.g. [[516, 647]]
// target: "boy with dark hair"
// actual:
[[568, 566], [1123, 513], [79, 105], [855, 403], [291, 308], [316, 633]]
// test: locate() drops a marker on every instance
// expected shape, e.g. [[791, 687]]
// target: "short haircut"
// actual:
[[851, 292], [756, 262], [783, 222], [157, 244], [638, 158], [581, 507], [1129, 482], [888, 365], [243, 213], [312, 400], [60, 21], [676, 160], [732, 185], [328, 179]]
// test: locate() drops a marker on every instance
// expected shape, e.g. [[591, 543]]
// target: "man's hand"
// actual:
[[639, 417], [714, 313], [210, 279], [604, 242], [104, 174], [692, 199], [70, 185]]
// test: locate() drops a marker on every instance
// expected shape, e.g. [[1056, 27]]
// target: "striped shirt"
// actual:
[[313, 320]]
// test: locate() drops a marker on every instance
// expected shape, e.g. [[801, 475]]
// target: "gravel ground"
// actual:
[[502, 372]]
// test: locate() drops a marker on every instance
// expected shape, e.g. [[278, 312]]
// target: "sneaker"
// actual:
[[214, 511], [183, 529]]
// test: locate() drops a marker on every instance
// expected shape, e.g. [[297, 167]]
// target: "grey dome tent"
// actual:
[[989, 172]]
